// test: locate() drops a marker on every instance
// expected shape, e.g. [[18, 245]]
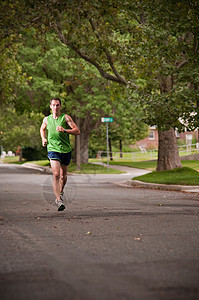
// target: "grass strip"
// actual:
[[13, 160], [181, 176], [85, 168], [43, 163], [151, 165], [92, 169]]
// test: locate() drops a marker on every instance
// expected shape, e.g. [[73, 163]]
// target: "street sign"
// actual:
[[105, 120]]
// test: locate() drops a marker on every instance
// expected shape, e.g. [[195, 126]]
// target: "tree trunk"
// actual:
[[120, 148], [197, 133], [78, 156], [77, 148], [110, 149], [20, 154], [168, 155], [81, 149], [84, 140], [86, 125]]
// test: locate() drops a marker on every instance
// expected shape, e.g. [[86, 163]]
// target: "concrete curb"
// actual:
[[140, 184], [36, 167], [131, 183], [44, 169]]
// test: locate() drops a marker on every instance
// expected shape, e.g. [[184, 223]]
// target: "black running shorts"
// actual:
[[63, 158]]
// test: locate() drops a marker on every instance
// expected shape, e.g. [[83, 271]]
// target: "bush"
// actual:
[[92, 153], [30, 153]]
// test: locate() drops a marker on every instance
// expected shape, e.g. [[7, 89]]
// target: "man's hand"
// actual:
[[44, 142], [59, 128]]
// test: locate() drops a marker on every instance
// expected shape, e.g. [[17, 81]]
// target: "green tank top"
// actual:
[[58, 141]]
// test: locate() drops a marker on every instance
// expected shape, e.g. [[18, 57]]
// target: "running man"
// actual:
[[59, 126]]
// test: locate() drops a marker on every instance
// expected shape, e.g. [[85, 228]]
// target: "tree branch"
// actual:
[[182, 64], [195, 44], [108, 55], [103, 73]]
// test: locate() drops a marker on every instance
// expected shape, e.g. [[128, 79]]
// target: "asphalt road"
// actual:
[[111, 243]]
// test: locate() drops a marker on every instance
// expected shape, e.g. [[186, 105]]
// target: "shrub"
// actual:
[[36, 153]]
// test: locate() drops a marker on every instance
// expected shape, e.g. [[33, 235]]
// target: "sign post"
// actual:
[[107, 120]]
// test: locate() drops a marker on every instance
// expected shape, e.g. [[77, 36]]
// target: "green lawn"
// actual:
[[92, 169], [151, 165], [43, 163], [194, 164], [85, 168], [138, 156], [12, 160], [187, 175], [182, 176]]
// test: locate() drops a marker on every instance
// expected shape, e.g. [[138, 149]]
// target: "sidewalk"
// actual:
[[134, 172], [36, 167], [168, 187], [140, 184]]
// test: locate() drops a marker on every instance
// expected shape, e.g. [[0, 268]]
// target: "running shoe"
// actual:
[[60, 204], [62, 196]]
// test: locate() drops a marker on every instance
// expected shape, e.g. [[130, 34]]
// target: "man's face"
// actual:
[[55, 106]]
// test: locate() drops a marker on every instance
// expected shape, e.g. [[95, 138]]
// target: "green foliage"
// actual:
[[11, 75], [19, 130], [151, 47], [36, 153], [127, 123], [54, 71], [173, 86], [47, 70]]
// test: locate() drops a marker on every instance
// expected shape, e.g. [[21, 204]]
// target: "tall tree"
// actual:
[[54, 71], [156, 54], [11, 75], [127, 126], [173, 31], [19, 130], [85, 95], [144, 45]]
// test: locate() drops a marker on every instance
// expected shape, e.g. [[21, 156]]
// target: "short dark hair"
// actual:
[[57, 99]]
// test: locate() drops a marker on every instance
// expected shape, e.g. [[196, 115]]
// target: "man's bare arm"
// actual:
[[43, 132], [74, 129]]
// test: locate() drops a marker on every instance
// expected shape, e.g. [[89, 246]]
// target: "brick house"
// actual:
[[151, 141]]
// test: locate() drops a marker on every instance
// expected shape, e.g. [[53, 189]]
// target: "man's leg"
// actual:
[[63, 177], [56, 166]]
